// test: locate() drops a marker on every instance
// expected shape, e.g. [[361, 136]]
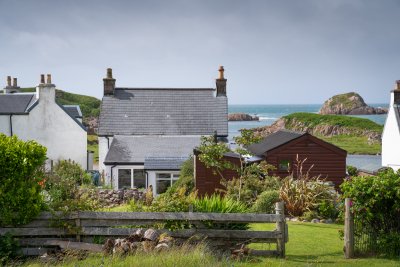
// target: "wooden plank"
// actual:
[[113, 222], [75, 245], [39, 241], [190, 216], [36, 251], [34, 231], [211, 233]]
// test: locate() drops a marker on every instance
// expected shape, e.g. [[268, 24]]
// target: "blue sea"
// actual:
[[268, 114]]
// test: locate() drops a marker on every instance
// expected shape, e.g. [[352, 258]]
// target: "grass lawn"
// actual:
[[353, 144], [93, 145], [309, 245]]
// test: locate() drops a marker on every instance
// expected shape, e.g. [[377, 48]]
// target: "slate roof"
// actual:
[[273, 141], [135, 149], [163, 111], [73, 111], [16, 103], [157, 163]]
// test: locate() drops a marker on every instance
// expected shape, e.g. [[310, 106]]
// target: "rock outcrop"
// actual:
[[349, 104], [242, 117], [320, 129]]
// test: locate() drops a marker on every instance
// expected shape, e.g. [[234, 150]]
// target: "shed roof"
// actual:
[[136, 149], [163, 111], [273, 140], [73, 110]]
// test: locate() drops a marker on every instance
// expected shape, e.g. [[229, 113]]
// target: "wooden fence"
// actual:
[[40, 236]]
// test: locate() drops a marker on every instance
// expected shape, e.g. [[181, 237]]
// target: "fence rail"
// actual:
[[40, 235]]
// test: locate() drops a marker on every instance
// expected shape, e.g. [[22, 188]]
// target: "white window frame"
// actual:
[[171, 178], [132, 168]]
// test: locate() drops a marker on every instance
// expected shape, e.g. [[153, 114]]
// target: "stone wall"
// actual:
[[114, 197]]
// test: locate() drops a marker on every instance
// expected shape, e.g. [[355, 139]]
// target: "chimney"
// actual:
[[396, 93], [11, 88], [45, 91], [221, 82], [109, 83]]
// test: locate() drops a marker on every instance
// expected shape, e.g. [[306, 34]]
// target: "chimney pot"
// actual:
[[397, 85], [42, 79], [9, 81], [49, 78], [109, 73], [221, 82], [221, 72], [15, 82]]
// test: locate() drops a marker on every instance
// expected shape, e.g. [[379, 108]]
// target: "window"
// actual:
[[165, 180], [284, 165], [129, 178]]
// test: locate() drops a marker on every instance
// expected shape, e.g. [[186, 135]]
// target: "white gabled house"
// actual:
[[145, 134], [37, 116], [391, 132]]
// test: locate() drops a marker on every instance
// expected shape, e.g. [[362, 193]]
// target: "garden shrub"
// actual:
[[351, 170], [186, 178], [9, 248], [62, 187], [265, 202], [309, 215], [20, 177], [219, 204], [376, 205], [328, 209]]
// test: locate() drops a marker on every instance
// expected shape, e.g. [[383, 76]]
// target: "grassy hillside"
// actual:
[[312, 120], [90, 106]]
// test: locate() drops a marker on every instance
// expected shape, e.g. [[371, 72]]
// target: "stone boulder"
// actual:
[[242, 117], [349, 104]]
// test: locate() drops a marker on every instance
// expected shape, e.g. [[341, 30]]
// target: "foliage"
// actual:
[[376, 205], [93, 145], [254, 181], [218, 204], [351, 170], [212, 155], [265, 202], [9, 248], [311, 120], [63, 188], [186, 178], [90, 106], [328, 209], [309, 215], [20, 175]]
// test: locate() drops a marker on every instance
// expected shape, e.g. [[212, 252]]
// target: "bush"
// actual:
[[265, 202], [20, 175], [62, 187], [328, 209], [186, 178], [352, 171], [376, 207], [9, 248], [304, 194], [219, 204]]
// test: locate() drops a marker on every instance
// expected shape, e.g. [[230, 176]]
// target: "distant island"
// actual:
[[242, 117], [356, 135], [349, 104]]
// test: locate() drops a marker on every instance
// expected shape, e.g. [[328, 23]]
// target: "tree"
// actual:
[[20, 178]]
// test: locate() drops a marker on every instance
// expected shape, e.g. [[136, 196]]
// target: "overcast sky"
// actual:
[[274, 52]]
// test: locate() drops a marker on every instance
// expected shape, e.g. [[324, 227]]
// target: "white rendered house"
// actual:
[[391, 132], [145, 134], [37, 116]]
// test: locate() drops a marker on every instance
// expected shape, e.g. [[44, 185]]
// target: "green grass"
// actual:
[[119, 208], [312, 120], [353, 144], [93, 145], [309, 245]]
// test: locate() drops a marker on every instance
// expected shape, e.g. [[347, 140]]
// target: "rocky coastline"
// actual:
[[242, 117]]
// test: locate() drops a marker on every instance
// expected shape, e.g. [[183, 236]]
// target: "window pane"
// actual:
[[284, 165], [139, 179], [162, 186], [124, 178], [163, 176]]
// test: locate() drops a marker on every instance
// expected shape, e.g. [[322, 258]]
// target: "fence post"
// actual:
[[280, 226], [348, 230], [78, 227]]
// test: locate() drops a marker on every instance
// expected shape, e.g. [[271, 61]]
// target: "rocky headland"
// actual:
[[242, 117], [349, 104], [323, 125]]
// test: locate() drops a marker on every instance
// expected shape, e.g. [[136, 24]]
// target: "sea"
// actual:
[[268, 114]]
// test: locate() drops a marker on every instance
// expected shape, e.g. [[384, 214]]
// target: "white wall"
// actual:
[[5, 124], [103, 150], [391, 139], [49, 125]]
